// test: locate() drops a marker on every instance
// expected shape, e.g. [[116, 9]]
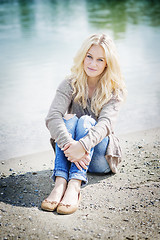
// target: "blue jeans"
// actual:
[[78, 128]]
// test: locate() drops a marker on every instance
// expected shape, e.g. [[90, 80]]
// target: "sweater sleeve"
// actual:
[[103, 128], [54, 119]]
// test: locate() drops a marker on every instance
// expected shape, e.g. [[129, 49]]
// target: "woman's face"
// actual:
[[94, 62]]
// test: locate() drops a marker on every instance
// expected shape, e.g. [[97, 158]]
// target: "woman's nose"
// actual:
[[93, 63]]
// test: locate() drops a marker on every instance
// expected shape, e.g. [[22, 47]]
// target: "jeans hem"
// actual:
[[79, 176], [59, 173]]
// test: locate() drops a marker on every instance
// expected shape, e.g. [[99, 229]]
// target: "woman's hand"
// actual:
[[74, 151], [83, 163]]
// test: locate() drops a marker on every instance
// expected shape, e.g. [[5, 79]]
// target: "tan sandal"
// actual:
[[49, 205], [67, 208]]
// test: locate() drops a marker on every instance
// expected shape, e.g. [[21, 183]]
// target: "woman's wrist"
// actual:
[[83, 145]]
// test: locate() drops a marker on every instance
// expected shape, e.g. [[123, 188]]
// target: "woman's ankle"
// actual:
[[75, 184], [72, 192], [60, 183], [58, 190]]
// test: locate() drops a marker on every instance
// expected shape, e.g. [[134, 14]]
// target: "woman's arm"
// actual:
[[54, 119], [104, 126], [57, 128]]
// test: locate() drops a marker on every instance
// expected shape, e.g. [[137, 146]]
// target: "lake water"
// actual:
[[38, 40]]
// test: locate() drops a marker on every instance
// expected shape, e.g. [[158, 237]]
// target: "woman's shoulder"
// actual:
[[65, 85], [114, 102], [118, 95]]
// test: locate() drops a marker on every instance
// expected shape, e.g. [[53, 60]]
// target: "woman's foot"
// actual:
[[71, 198], [52, 201]]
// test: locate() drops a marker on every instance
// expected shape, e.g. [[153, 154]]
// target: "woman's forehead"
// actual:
[[96, 50]]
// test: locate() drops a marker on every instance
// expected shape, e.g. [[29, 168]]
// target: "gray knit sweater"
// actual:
[[63, 103]]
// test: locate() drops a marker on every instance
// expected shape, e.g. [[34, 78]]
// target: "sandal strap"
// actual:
[[51, 202]]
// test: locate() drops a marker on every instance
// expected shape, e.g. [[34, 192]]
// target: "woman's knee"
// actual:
[[68, 116], [86, 121], [70, 121], [83, 125]]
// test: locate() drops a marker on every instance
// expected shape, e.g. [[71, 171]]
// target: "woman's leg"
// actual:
[[62, 165], [82, 128], [70, 197], [99, 163], [76, 176], [58, 190]]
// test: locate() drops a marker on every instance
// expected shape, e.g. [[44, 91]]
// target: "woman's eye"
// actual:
[[101, 60], [89, 56]]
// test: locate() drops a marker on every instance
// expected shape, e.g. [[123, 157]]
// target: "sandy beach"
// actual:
[[113, 206]]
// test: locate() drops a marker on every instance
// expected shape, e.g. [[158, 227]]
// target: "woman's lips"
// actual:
[[92, 69]]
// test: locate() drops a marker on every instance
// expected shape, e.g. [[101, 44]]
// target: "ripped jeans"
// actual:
[[78, 128]]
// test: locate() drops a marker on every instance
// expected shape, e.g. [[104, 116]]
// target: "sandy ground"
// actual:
[[113, 206]]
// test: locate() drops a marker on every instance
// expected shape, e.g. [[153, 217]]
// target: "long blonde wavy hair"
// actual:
[[110, 82]]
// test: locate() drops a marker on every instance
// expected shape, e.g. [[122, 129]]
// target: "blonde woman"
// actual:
[[81, 121]]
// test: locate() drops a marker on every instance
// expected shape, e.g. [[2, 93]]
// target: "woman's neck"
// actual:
[[91, 87], [92, 82]]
